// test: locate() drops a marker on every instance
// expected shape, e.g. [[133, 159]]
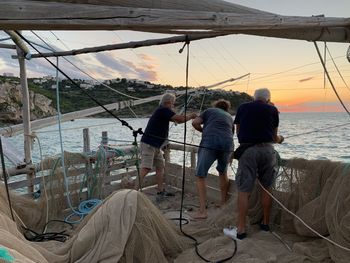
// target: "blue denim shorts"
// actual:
[[220, 149]]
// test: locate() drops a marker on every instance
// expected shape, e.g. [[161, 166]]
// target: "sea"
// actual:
[[320, 136]]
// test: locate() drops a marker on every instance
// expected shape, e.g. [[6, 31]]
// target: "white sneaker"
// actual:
[[232, 233]]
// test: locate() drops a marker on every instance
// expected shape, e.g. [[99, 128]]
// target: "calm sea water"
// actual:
[[323, 141]]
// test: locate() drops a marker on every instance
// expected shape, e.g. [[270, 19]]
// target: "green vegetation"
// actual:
[[73, 98]]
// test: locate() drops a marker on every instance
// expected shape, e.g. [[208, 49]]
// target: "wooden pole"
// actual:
[[104, 140], [86, 139], [26, 117], [132, 44], [7, 46]]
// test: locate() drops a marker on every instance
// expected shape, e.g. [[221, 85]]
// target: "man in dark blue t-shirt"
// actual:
[[256, 125], [154, 137]]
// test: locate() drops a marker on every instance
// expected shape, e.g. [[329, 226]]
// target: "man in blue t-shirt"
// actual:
[[257, 125], [216, 126], [154, 137]]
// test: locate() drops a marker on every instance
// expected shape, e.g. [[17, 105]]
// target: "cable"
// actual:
[[87, 74], [335, 65], [322, 129], [329, 78], [124, 123], [184, 170], [5, 178]]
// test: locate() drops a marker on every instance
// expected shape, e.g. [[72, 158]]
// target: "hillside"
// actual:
[[73, 98]]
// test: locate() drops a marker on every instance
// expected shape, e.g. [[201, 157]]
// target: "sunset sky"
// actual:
[[289, 68]]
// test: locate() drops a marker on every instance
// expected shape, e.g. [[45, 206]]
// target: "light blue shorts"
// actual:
[[220, 150]]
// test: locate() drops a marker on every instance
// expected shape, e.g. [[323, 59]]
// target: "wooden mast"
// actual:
[[25, 113]]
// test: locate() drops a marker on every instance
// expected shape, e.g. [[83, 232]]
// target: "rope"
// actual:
[[87, 74], [5, 178], [336, 67], [43, 179], [302, 221], [329, 78], [181, 219]]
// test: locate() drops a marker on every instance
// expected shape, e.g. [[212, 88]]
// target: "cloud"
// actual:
[[127, 68], [100, 65], [306, 79]]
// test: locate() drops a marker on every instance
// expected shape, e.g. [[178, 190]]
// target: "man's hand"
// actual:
[[193, 115], [280, 139]]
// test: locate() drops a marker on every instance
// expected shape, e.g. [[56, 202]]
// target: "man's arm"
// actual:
[[277, 138], [182, 118], [197, 124]]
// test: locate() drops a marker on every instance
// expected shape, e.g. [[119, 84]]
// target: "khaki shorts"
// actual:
[[260, 162], [151, 156]]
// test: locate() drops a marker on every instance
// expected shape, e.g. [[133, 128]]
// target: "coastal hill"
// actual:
[[72, 98]]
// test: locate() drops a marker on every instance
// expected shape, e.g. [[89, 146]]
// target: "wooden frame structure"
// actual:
[[192, 18]]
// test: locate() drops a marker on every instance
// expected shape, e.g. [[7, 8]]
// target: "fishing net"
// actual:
[[318, 193], [127, 227]]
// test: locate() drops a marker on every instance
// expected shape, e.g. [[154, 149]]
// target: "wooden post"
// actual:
[[86, 138], [26, 117], [104, 140], [88, 166]]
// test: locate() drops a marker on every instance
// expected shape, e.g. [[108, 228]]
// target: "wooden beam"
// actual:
[[38, 15], [37, 124], [41, 123], [19, 43], [7, 46], [133, 44], [193, 5]]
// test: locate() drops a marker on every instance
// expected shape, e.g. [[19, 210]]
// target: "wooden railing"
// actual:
[[117, 169]]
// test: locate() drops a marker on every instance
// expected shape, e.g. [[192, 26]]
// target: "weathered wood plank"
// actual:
[[118, 177], [133, 44], [149, 180], [194, 5], [19, 15]]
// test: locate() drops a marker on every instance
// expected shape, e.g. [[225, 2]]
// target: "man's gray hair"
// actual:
[[166, 98], [262, 94]]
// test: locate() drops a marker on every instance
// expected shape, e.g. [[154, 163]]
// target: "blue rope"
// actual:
[[84, 208]]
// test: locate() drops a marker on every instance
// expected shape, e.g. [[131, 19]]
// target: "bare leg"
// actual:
[[224, 185], [143, 173], [160, 178], [266, 202], [202, 193], [242, 211]]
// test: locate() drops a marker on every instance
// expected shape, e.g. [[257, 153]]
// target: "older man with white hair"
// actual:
[[154, 137], [257, 126]]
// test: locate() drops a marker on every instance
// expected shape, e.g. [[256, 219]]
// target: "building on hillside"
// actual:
[[8, 74], [86, 86], [38, 81]]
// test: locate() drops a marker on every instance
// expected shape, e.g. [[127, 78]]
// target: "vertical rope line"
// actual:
[[329, 78], [185, 134], [5, 178]]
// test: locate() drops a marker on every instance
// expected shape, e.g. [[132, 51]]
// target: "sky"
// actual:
[[291, 69]]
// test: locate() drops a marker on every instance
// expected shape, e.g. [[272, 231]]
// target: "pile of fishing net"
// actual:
[[318, 192], [127, 227]]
